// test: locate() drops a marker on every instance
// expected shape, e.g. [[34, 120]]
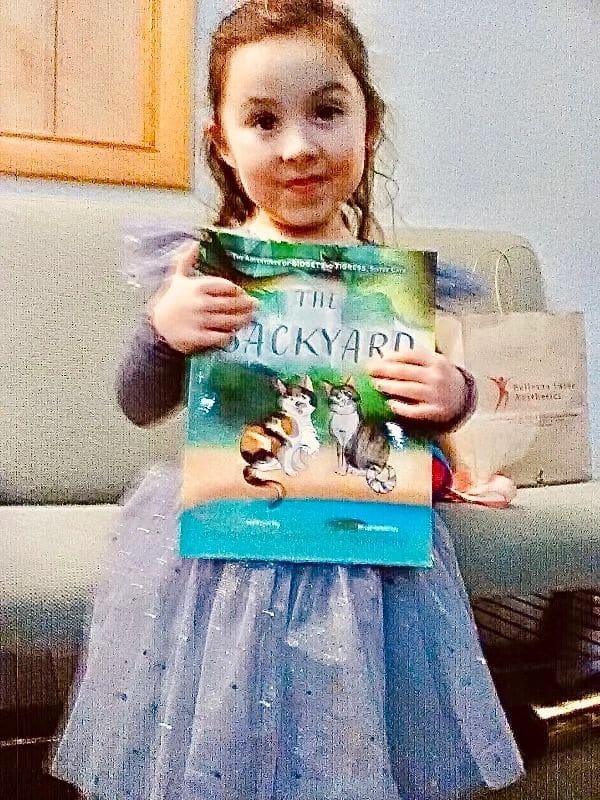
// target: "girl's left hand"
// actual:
[[420, 385]]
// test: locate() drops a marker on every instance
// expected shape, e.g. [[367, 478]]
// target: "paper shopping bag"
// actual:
[[531, 421]]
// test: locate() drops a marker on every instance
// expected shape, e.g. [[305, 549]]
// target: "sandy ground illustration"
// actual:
[[216, 473]]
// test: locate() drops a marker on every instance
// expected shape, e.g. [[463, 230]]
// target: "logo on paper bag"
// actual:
[[529, 392], [501, 384]]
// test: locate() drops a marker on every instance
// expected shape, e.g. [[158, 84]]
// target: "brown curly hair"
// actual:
[[255, 20]]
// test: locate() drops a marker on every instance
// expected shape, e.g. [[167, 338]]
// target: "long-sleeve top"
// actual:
[[151, 384]]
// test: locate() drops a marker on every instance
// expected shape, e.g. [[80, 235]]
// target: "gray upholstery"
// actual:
[[66, 313], [68, 452], [68, 310], [548, 540]]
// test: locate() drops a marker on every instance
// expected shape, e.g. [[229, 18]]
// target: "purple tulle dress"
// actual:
[[222, 680]]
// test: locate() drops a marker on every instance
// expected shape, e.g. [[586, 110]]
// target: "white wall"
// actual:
[[496, 125]]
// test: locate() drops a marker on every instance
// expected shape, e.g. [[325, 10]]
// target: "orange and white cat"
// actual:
[[279, 441]]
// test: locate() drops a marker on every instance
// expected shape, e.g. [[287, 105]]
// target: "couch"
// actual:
[[68, 453]]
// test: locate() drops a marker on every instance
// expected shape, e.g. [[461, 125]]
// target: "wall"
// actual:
[[495, 126]]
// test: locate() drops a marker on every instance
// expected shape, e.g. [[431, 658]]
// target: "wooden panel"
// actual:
[[27, 66], [100, 70], [165, 157]]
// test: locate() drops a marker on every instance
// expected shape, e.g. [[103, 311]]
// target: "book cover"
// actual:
[[291, 454]]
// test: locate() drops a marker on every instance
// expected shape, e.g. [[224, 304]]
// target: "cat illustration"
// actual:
[[279, 441], [361, 447]]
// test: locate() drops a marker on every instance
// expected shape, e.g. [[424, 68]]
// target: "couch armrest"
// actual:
[[548, 540]]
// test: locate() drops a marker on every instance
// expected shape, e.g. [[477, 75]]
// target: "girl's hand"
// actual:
[[420, 385], [193, 313]]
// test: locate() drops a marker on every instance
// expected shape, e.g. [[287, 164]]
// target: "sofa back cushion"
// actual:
[[66, 311]]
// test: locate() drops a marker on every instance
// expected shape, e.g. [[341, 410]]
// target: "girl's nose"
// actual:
[[297, 144]]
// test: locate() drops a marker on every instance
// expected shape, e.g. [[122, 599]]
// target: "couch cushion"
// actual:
[[549, 539]]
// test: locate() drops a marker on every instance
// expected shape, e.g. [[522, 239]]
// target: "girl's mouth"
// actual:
[[305, 184]]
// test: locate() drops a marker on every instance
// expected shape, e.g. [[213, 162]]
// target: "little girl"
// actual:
[[219, 680]]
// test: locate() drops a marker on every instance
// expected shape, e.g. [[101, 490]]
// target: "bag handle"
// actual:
[[503, 256]]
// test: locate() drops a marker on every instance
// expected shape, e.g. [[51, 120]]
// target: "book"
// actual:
[[291, 453]]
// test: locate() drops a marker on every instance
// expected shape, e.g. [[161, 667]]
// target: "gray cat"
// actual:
[[361, 447]]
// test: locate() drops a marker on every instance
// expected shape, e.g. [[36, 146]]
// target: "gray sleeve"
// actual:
[[150, 377], [469, 406]]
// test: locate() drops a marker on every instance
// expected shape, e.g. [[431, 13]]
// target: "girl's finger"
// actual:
[[220, 287], [241, 304], [422, 412], [397, 370], [226, 322], [418, 355], [409, 390]]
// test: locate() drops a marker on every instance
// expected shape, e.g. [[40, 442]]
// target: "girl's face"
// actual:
[[293, 126]]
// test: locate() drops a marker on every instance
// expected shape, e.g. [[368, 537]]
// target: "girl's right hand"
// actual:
[[192, 313]]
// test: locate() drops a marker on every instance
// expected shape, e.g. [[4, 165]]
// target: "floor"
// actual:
[[569, 773]]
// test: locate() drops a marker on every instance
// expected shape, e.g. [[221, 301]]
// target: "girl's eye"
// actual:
[[327, 111], [265, 120]]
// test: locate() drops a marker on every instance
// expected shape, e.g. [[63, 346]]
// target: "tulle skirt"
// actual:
[[221, 680]]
